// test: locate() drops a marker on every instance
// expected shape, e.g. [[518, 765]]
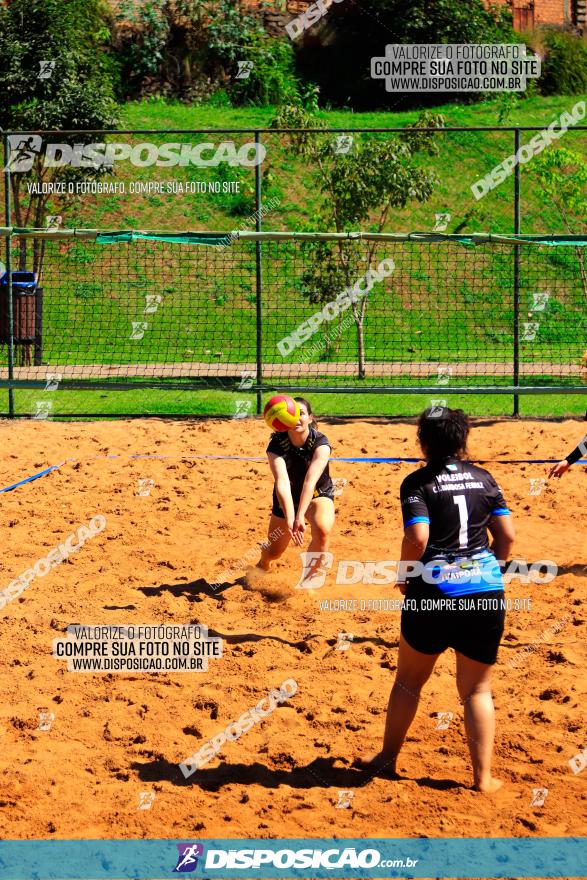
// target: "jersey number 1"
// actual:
[[461, 503]]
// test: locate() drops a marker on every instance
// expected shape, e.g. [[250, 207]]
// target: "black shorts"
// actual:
[[474, 629], [277, 511]]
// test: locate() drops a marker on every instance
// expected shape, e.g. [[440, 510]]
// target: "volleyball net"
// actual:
[[302, 312]]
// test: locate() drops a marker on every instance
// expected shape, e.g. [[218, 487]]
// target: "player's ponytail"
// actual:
[[308, 406], [443, 433]]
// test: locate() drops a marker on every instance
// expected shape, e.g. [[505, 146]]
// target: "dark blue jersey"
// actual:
[[457, 499]]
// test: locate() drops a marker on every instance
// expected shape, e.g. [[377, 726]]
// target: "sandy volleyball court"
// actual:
[[114, 736]]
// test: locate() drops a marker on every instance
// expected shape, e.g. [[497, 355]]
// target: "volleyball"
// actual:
[[281, 413]]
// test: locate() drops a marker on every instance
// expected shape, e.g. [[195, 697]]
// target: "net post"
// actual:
[[259, 276], [10, 304], [516, 376]]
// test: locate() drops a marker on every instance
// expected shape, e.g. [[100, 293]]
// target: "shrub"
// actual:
[[272, 78], [564, 69]]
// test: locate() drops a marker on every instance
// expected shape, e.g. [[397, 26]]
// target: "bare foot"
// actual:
[[490, 786], [378, 764]]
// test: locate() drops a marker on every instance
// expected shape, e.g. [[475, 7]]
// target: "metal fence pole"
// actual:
[[259, 277], [8, 223], [516, 376]]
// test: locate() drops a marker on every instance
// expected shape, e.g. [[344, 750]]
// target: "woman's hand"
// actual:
[[557, 470], [298, 529]]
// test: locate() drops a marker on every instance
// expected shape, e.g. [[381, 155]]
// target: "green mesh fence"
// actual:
[[141, 323]]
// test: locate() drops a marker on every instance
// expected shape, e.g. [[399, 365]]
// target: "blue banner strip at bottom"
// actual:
[[498, 857]]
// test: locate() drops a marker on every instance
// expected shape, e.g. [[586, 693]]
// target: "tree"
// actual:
[[353, 33], [562, 181], [359, 186], [54, 74]]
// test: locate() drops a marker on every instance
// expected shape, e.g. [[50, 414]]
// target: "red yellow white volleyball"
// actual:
[[281, 413]]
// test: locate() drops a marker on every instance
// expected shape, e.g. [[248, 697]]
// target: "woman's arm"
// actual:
[[313, 474], [503, 534], [414, 543], [283, 489], [557, 470]]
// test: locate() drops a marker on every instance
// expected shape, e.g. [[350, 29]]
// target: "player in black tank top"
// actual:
[[448, 506], [303, 489], [580, 451]]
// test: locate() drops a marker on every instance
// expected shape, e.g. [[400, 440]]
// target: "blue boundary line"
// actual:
[[375, 460]]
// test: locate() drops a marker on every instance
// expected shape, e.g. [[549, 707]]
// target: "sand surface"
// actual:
[[114, 736]]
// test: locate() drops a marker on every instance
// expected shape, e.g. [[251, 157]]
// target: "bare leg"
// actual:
[[413, 671], [277, 546], [474, 685], [320, 515]]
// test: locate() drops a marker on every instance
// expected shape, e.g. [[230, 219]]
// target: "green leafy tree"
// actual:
[[55, 73], [355, 32], [561, 177], [359, 187]]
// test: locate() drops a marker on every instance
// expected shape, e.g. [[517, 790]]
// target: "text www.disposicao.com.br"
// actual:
[[135, 664]]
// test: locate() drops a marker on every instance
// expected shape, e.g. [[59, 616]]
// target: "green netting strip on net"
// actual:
[[222, 239]]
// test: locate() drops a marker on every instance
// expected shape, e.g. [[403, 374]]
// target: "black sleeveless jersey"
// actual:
[[297, 460]]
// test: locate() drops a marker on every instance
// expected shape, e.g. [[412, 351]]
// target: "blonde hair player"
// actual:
[[298, 460]]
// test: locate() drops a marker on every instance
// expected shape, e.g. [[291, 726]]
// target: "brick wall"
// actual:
[[533, 12]]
